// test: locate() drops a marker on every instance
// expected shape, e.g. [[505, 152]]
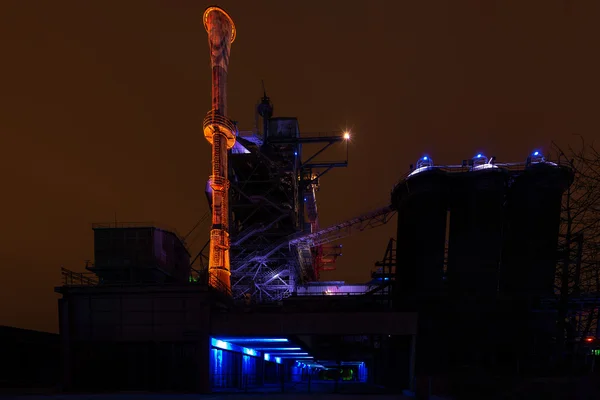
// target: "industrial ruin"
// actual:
[[470, 273]]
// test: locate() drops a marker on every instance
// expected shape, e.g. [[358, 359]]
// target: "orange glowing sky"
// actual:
[[101, 107]]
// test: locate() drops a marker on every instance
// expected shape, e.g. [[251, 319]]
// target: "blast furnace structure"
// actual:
[[474, 241]]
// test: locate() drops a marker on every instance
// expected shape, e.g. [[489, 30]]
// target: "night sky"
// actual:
[[101, 107]]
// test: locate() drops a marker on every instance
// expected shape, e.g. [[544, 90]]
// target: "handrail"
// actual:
[[72, 278]]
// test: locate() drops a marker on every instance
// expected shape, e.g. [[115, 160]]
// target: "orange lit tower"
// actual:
[[220, 132]]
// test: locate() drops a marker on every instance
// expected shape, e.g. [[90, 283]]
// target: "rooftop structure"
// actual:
[[128, 252]]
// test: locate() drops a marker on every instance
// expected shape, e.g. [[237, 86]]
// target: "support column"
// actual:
[[65, 344], [413, 352], [203, 364]]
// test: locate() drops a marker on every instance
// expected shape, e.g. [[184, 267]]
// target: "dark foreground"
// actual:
[[573, 388], [224, 396]]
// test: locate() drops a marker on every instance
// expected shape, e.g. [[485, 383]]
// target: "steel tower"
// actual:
[[220, 132]]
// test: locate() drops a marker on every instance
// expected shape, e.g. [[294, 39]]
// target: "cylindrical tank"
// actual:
[[421, 201], [474, 255], [475, 241], [422, 204], [533, 213]]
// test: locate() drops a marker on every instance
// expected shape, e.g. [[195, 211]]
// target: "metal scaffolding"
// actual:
[[273, 200]]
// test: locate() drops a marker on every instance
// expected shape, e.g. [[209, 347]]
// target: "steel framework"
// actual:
[[273, 199], [305, 244]]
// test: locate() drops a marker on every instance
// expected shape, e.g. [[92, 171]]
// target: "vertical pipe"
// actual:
[[220, 132]]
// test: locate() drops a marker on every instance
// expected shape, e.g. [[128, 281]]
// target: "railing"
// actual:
[[71, 278], [519, 166], [326, 294], [202, 277], [214, 118]]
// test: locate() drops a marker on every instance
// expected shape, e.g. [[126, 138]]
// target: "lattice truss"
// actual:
[[264, 214], [271, 249]]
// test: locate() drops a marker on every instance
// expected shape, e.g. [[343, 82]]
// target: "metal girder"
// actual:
[[369, 220]]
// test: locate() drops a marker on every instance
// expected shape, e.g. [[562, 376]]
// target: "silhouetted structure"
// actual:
[[498, 225], [475, 255], [136, 253], [29, 359]]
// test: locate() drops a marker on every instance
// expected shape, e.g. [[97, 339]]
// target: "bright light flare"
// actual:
[[347, 135]]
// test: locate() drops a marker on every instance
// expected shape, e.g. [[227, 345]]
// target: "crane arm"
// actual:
[[304, 244], [369, 220]]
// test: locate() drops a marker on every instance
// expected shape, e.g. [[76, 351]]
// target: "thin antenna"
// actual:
[[265, 110]]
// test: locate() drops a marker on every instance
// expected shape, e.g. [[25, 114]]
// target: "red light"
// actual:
[[589, 339]]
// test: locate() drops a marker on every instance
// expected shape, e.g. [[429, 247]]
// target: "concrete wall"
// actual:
[[135, 338], [160, 334], [136, 313], [325, 323]]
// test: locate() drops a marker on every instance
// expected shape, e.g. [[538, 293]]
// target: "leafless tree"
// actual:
[[578, 272]]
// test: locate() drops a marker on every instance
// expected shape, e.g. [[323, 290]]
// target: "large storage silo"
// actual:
[[475, 241], [474, 255], [534, 206], [422, 204]]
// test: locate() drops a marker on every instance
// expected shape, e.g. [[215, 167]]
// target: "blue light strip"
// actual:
[[268, 357], [277, 348], [221, 344], [256, 340], [296, 357], [275, 354]]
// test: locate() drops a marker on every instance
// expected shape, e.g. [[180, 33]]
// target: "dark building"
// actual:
[[169, 332], [29, 359], [138, 253], [190, 338]]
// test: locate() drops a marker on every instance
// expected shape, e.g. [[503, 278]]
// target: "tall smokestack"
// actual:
[[220, 133]]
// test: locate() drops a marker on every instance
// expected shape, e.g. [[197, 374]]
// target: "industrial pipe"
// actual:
[[220, 132]]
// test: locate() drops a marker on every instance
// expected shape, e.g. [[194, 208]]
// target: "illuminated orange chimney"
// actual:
[[220, 133]]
